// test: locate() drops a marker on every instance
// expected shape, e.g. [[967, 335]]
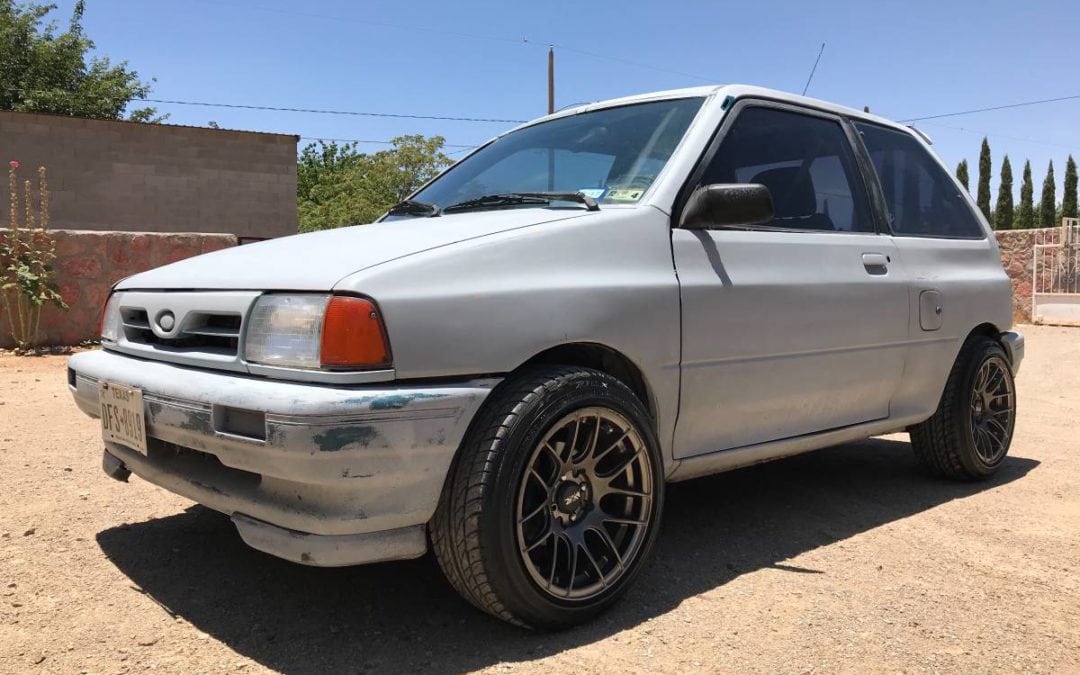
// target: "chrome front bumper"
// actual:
[[322, 475]]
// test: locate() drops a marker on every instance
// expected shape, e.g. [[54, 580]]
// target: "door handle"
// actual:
[[876, 263]]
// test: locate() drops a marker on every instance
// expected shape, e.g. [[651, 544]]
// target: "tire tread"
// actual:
[[938, 441], [455, 529]]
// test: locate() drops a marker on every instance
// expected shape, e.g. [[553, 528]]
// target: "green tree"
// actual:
[[44, 71], [1068, 200], [1003, 210], [982, 198], [319, 163], [962, 174], [337, 185], [1025, 214], [1048, 204]]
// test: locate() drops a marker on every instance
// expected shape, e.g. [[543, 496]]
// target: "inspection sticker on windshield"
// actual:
[[625, 194], [122, 416], [595, 193]]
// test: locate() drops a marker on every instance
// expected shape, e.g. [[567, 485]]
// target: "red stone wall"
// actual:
[[1017, 248], [88, 264]]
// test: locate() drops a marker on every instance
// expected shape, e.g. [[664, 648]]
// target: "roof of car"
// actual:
[[736, 90]]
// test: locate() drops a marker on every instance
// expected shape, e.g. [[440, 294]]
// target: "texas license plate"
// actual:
[[122, 417]]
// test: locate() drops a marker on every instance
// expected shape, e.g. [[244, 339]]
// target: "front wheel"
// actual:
[[969, 435], [554, 501]]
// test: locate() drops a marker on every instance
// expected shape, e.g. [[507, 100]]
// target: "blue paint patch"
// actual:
[[333, 440], [398, 401]]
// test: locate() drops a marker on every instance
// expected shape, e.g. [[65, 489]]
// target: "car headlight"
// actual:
[[338, 332], [111, 322]]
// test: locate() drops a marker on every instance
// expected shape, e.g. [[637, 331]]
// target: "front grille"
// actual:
[[206, 332]]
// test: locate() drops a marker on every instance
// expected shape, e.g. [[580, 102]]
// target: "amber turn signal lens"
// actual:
[[353, 335]]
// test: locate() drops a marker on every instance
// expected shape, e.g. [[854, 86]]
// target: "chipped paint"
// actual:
[[339, 438], [398, 401], [367, 463], [195, 421], [347, 473]]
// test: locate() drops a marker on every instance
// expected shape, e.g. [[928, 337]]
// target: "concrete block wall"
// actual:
[[88, 264], [126, 176]]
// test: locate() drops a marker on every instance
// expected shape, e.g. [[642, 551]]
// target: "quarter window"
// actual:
[[921, 197], [805, 161]]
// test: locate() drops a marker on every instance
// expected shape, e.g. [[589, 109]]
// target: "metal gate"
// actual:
[[1055, 274]]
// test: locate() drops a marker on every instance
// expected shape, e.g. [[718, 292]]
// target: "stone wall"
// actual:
[[1017, 258], [115, 175], [88, 264]]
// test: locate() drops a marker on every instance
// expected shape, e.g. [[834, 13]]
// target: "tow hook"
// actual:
[[113, 467]]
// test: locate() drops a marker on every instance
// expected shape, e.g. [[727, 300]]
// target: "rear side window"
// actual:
[[923, 201], [805, 161]]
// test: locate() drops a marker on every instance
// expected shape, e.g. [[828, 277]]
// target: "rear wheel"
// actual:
[[970, 433], [554, 501]]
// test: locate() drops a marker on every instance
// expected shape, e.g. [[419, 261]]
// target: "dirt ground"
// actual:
[[845, 560]]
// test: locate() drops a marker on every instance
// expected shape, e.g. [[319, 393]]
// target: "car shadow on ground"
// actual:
[[404, 616]]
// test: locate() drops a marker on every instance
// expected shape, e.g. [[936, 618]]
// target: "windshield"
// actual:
[[612, 155]]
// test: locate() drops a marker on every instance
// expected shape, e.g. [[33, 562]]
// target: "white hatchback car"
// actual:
[[513, 361]]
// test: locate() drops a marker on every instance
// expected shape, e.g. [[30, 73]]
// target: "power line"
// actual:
[[321, 111], [991, 108], [317, 111], [993, 134], [361, 140]]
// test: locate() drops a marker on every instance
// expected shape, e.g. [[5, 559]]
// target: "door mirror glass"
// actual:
[[727, 205]]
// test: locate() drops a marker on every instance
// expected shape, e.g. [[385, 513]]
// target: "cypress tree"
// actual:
[[983, 196], [1048, 203], [1025, 215], [962, 174], [1003, 210], [1068, 200]]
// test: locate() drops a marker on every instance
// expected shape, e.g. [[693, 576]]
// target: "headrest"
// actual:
[[792, 197]]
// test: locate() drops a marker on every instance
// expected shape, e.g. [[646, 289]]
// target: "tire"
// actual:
[[968, 437], [529, 488]]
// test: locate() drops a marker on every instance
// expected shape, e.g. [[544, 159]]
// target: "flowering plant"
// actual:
[[26, 254]]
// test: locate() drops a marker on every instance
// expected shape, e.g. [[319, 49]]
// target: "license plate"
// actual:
[[122, 417]]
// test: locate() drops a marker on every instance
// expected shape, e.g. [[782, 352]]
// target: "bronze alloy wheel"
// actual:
[[993, 408], [584, 504]]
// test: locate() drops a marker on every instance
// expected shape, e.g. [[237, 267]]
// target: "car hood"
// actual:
[[316, 261]]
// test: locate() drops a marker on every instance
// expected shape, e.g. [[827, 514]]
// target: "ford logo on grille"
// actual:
[[166, 320]]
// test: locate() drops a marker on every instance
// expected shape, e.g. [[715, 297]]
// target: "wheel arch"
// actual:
[[603, 358], [986, 329], [592, 355]]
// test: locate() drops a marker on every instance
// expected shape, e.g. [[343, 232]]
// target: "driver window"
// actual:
[[807, 164]]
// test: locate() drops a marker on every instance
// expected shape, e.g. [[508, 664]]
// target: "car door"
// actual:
[[800, 325], [954, 268]]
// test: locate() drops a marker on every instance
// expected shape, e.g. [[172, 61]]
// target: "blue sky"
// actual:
[[488, 59]]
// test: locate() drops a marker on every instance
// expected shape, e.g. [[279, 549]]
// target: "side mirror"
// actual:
[[727, 205]]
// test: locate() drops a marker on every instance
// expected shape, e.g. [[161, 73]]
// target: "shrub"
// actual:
[[26, 255]]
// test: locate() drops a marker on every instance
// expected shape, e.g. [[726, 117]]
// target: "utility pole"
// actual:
[[551, 80]]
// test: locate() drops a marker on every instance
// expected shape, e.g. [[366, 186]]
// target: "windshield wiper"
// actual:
[[522, 198], [411, 207]]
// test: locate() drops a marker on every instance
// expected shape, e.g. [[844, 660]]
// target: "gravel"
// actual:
[[842, 560]]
